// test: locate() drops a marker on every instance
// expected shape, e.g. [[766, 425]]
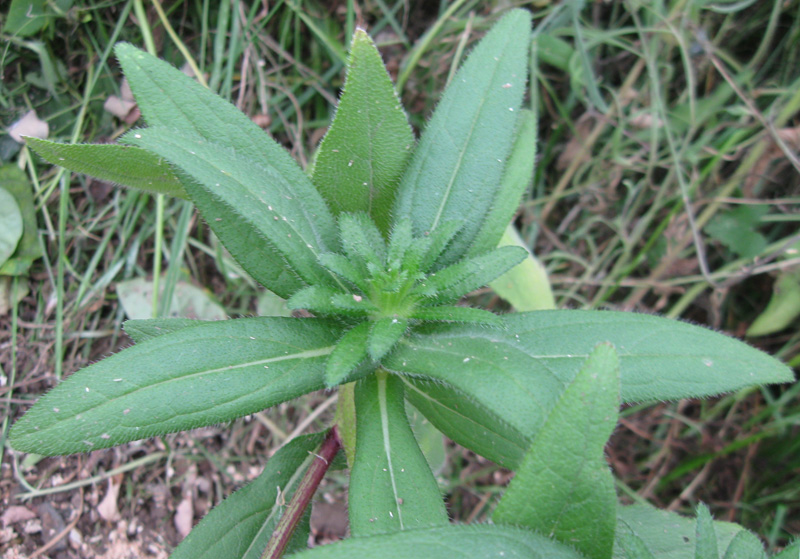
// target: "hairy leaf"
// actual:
[[459, 279], [124, 165], [706, 546], [251, 194], [467, 422], [350, 351], [391, 486], [197, 376], [666, 535], [446, 313], [242, 524], [362, 156], [564, 488], [517, 177], [745, 545], [519, 372], [384, 334], [525, 286], [170, 99], [456, 170], [141, 330], [452, 542]]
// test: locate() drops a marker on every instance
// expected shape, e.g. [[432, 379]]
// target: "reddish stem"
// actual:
[[302, 496]]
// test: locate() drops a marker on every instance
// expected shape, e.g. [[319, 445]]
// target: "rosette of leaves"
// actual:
[[379, 244]]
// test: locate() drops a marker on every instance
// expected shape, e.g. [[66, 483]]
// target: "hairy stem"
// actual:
[[302, 496]]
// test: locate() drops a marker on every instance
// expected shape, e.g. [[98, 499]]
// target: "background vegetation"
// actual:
[[667, 182]]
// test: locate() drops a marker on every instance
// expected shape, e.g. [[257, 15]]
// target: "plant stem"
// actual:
[[302, 496]]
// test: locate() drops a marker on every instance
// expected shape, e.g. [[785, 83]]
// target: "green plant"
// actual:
[[379, 244]]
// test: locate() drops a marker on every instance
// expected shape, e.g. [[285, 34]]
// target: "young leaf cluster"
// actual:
[[379, 244]]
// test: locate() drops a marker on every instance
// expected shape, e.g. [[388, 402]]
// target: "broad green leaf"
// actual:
[[520, 371], [142, 330], [783, 307], [25, 17], [289, 242], [517, 177], [745, 545], [10, 225], [737, 229], [706, 545], [14, 181], [525, 286], [242, 524], [451, 542], [350, 352], [391, 485], [362, 156], [168, 98], [467, 422], [467, 275], [457, 167], [197, 376], [564, 488], [124, 165], [666, 535]]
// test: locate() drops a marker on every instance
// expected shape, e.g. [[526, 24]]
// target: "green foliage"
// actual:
[[565, 466], [361, 159], [122, 165], [381, 251], [19, 243]]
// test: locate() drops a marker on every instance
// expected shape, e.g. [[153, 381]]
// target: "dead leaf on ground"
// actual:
[[107, 508], [16, 513]]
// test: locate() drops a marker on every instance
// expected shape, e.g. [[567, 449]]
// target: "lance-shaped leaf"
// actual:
[[197, 376], [350, 352], [362, 156], [391, 486], [459, 279], [252, 195], [564, 488], [452, 542], [242, 524], [170, 99], [519, 372], [384, 334], [467, 422], [706, 545], [124, 165], [446, 313], [456, 169], [663, 534], [517, 177], [141, 330]]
